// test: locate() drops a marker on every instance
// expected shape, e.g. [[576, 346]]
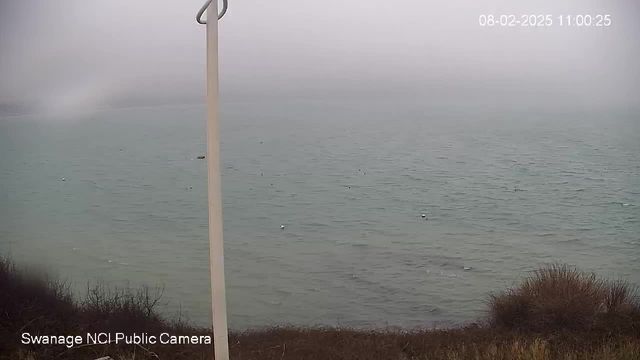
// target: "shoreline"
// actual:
[[557, 313]]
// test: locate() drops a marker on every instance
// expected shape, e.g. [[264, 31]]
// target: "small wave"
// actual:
[[283, 292], [275, 205], [410, 176], [316, 225], [572, 240], [363, 245], [546, 234], [366, 222], [341, 221]]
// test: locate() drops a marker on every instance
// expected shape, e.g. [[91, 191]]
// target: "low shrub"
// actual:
[[559, 298]]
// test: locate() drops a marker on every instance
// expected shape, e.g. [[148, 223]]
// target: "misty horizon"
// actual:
[[100, 55]]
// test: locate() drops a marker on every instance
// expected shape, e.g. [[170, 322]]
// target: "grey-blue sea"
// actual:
[[503, 191]]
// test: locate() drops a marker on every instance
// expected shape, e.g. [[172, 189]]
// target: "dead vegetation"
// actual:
[[555, 313]]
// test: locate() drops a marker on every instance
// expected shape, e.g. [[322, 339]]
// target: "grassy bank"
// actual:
[[555, 313]]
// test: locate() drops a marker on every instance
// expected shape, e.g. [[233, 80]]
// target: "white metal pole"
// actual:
[[216, 248]]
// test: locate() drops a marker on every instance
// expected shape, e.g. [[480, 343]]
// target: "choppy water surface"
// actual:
[[502, 192]]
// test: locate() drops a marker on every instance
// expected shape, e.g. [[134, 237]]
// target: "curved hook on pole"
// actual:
[[225, 6]]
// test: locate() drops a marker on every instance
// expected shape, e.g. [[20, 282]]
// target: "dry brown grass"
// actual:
[[560, 298], [557, 313]]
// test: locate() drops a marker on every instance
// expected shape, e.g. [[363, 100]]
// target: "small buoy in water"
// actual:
[[467, 268], [281, 227], [424, 216], [63, 179], [201, 157]]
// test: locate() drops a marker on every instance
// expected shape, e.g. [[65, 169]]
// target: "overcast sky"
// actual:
[[125, 51]]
